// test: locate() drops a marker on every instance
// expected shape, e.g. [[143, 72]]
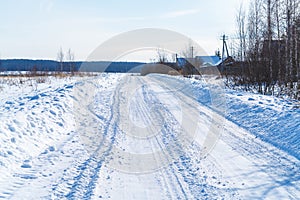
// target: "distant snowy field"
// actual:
[[43, 156]]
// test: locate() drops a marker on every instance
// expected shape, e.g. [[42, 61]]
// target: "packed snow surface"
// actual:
[[122, 136]]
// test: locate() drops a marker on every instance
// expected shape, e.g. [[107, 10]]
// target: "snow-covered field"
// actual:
[[117, 136]]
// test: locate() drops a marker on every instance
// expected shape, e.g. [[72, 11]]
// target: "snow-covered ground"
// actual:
[[117, 136]]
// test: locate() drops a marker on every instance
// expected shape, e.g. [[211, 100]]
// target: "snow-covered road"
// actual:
[[122, 136]]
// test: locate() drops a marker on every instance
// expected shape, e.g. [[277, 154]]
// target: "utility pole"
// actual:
[[224, 38], [192, 51]]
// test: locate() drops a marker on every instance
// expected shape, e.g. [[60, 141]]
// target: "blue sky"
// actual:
[[38, 28]]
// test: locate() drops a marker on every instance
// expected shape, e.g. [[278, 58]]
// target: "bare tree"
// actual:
[[297, 47], [290, 16], [60, 58], [278, 25], [240, 21], [254, 28], [288, 56], [190, 50], [162, 56], [254, 46], [70, 58]]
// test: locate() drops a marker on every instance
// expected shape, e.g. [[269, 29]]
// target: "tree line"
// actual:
[[268, 47]]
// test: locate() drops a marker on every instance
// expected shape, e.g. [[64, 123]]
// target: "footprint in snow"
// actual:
[[11, 128], [51, 148], [52, 112], [26, 164]]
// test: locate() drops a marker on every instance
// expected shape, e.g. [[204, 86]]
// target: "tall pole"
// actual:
[[224, 38], [223, 48]]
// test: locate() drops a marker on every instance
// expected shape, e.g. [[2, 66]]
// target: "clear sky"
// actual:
[[38, 28]]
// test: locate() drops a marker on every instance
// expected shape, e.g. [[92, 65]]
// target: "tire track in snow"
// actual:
[[168, 177], [84, 182], [174, 149], [188, 171]]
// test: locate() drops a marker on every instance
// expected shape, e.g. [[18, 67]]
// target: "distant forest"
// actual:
[[50, 66]]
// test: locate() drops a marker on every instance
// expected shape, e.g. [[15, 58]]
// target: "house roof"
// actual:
[[209, 60], [205, 60]]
